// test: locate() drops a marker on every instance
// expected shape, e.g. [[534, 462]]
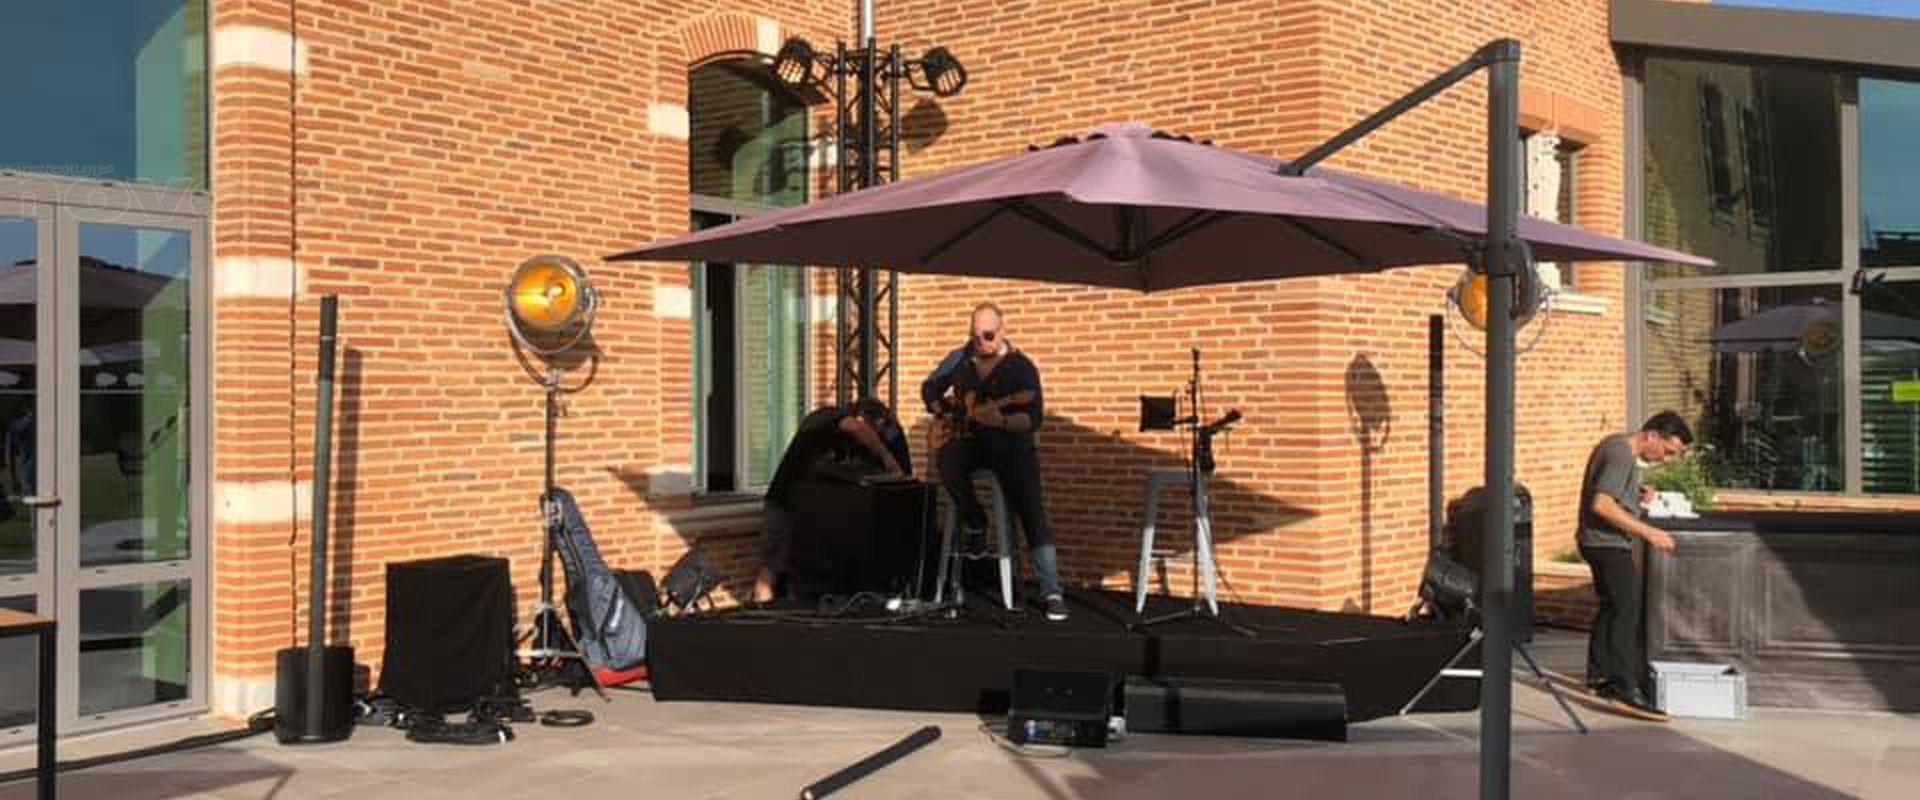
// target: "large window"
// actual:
[[747, 154], [1758, 370], [1734, 151], [105, 90], [1797, 357]]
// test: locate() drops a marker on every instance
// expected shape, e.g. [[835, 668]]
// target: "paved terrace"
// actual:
[[639, 748]]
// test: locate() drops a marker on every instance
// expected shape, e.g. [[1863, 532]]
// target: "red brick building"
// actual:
[[408, 154]]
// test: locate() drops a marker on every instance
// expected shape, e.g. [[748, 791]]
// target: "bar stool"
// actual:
[[1000, 520], [1157, 481]]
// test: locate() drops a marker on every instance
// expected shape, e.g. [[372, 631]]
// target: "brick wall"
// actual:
[[1324, 496], [408, 153], [439, 144]]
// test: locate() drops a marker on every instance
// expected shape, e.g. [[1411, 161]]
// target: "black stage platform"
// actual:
[[966, 664]]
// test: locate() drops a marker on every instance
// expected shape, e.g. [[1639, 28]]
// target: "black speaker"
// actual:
[[1228, 707], [290, 704], [1070, 708], [449, 632], [1466, 527]]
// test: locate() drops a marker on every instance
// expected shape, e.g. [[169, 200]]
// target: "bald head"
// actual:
[[987, 332]]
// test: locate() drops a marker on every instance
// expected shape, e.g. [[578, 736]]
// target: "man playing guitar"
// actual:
[[999, 403]]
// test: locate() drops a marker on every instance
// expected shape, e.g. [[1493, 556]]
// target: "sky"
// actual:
[[1882, 8]]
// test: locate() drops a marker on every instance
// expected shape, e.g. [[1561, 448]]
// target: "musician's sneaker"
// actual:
[[1056, 608]]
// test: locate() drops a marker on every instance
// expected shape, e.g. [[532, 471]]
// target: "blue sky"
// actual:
[[1883, 8]]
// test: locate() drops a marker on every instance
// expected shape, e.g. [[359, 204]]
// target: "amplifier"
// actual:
[[449, 632], [1220, 707], [1067, 708]]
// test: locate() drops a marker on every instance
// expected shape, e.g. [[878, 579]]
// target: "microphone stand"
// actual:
[[1206, 603]]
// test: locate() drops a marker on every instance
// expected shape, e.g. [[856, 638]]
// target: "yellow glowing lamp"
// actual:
[[1469, 295], [550, 300]]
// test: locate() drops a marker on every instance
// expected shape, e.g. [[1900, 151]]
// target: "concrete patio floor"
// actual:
[[640, 748]]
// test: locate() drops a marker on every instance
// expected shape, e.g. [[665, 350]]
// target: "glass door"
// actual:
[[130, 568], [27, 408]]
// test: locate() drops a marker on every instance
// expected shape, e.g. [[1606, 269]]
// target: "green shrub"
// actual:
[[1689, 474]]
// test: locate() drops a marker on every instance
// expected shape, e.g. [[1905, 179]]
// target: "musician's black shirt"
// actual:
[[1014, 373]]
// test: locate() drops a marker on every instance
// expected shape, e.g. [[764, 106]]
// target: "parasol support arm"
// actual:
[[1493, 53]]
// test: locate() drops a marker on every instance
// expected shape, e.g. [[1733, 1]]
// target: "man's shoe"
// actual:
[[1632, 703], [1056, 608]]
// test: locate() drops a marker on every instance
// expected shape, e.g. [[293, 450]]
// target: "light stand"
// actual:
[[549, 310], [1431, 599], [1200, 466]]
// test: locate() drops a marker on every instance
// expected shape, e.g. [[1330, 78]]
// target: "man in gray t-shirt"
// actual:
[[1610, 499]]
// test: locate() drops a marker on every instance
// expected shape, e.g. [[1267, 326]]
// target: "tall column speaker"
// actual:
[[313, 685]]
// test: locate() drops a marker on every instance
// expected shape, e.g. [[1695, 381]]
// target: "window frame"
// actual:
[[700, 325], [1642, 286]]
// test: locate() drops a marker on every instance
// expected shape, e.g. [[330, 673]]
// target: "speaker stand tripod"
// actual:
[[547, 638], [1520, 648]]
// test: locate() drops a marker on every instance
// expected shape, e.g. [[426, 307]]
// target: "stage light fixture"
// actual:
[[793, 65], [940, 73], [1469, 297], [550, 304], [549, 307]]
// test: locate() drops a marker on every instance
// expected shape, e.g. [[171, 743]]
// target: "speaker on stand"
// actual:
[[313, 685]]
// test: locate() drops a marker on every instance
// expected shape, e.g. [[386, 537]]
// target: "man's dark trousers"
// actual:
[[1616, 649]]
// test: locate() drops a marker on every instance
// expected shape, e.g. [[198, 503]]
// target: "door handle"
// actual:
[[37, 501]]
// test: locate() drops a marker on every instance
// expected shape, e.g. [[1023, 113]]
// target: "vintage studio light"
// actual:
[[549, 304], [549, 308]]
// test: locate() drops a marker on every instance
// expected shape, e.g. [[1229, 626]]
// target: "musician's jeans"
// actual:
[[1018, 470]]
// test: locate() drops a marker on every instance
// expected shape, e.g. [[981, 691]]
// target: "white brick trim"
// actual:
[[767, 33], [672, 302], [669, 120], [252, 45], [255, 276], [258, 502]]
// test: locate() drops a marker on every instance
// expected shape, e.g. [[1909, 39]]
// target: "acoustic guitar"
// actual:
[[954, 422]]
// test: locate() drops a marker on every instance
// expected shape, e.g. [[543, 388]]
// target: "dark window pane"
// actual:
[[1890, 387], [19, 376], [1742, 165], [135, 645], [1889, 173], [748, 137], [119, 90], [1757, 371], [18, 670]]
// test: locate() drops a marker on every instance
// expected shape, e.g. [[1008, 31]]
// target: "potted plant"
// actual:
[[1689, 474]]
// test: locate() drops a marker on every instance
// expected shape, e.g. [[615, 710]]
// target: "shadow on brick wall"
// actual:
[[1096, 502]]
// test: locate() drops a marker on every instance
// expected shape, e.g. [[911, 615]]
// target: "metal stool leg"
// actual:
[[951, 521], [1004, 519], [1203, 546], [1146, 546]]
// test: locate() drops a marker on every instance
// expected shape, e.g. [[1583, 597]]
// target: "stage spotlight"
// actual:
[[793, 65], [1469, 297], [940, 73], [549, 304]]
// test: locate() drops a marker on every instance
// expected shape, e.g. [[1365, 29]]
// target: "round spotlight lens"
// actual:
[[1469, 295], [546, 294]]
